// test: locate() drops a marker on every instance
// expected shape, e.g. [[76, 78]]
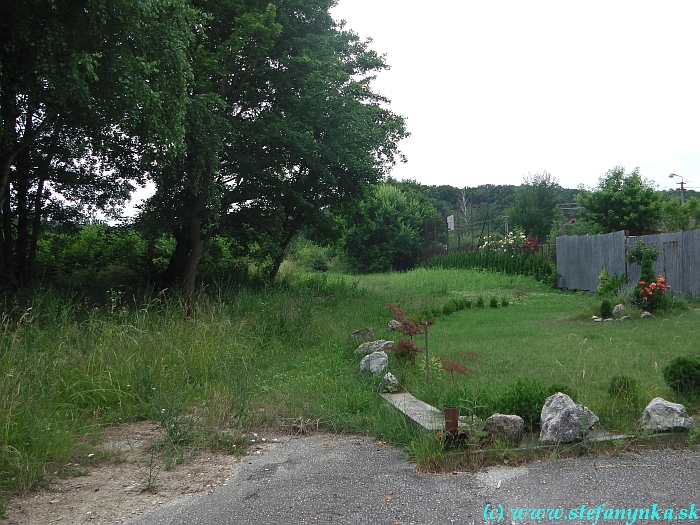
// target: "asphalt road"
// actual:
[[354, 480]]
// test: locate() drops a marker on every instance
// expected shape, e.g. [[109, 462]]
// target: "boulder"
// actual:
[[363, 334], [563, 421], [393, 325], [374, 363], [510, 427], [646, 314], [619, 308], [373, 346], [625, 318], [389, 383], [661, 415]]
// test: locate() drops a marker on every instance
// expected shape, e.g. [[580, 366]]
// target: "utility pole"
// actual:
[[682, 185]]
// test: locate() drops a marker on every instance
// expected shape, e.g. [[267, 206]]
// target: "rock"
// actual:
[[663, 415], [389, 383], [509, 427], [363, 334], [374, 363], [373, 346], [608, 319], [393, 325], [646, 314], [562, 421], [625, 318], [619, 308]]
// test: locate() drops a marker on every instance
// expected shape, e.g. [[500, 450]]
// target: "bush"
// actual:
[[564, 389], [494, 302], [606, 309], [609, 285], [682, 375], [524, 398], [319, 264], [637, 252], [480, 302]]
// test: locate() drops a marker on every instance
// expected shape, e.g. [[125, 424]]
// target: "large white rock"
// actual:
[[373, 346], [374, 363], [663, 415], [563, 421]]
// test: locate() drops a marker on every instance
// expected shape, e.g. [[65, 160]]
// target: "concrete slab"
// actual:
[[421, 413]]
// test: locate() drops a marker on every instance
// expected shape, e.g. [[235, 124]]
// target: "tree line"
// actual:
[[254, 121]]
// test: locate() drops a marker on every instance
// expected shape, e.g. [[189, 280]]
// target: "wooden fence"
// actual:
[[580, 259]]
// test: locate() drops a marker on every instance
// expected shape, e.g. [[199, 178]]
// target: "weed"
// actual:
[[428, 451], [625, 389], [149, 471]]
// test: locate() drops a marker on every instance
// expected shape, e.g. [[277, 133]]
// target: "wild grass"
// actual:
[[69, 367]]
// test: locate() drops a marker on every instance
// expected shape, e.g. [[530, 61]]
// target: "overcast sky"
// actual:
[[494, 90]]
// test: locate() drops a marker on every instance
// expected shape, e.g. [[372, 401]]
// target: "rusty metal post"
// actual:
[[451, 420]]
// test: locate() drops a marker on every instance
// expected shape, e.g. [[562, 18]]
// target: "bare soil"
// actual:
[[130, 482]]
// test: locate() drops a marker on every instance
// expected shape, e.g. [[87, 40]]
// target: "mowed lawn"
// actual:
[[544, 334]]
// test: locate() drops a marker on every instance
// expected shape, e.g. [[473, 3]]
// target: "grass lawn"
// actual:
[[280, 356]]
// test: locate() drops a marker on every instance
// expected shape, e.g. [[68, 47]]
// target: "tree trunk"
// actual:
[[36, 226], [291, 228], [7, 255]]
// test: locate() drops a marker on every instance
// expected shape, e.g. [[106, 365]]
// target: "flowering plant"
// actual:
[[651, 295], [515, 241]]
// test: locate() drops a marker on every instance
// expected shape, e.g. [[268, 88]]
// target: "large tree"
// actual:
[[677, 216], [283, 131], [622, 202], [89, 91], [535, 209]]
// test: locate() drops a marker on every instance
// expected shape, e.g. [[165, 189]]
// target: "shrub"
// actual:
[[406, 347], [524, 398], [606, 309], [624, 388], [494, 302], [682, 375], [609, 285], [480, 302], [319, 264], [635, 255], [504, 301], [564, 389]]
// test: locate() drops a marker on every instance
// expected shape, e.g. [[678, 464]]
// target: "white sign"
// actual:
[[451, 222]]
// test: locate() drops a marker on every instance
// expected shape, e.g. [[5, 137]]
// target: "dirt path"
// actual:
[[115, 491]]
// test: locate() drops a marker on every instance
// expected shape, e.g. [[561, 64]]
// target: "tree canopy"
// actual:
[[535, 209], [89, 91], [283, 132], [622, 202]]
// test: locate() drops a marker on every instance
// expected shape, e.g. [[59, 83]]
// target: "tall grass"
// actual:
[[69, 367]]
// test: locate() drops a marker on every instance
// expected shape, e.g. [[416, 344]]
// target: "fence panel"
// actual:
[[581, 258]]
